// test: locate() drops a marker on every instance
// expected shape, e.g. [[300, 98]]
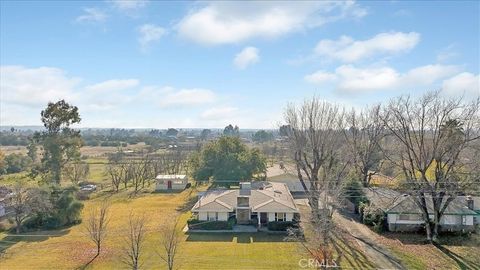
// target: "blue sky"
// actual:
[[158, 64]]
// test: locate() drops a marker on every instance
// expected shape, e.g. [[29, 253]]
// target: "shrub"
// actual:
[[374, 217], [280, 225], [196, 224], [232, 221]]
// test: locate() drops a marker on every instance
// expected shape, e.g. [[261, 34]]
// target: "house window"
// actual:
[[212, 216], [410, 217], [464, 220], [279, 216]]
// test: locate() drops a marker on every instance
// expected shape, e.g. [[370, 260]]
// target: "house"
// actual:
[[288, 175], [171, 182], [405, 215], [382, 198], [255, 203]]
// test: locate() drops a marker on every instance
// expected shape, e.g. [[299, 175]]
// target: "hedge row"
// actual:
[[196, 224], [280, 225]]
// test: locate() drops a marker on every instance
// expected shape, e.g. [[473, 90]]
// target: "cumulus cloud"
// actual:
[[149, 33], [35, 86], [346, 49], [350, 79], [463, 83], [224, 22], [25, 91], [248, 56], [320, 76], [92, 15]]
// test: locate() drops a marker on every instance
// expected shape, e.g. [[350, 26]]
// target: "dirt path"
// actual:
[[377, 253]]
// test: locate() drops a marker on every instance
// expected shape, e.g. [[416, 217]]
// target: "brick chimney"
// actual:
[[470, 203]]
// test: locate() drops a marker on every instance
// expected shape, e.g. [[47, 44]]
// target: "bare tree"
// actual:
[[76, 171], [139, 171], [97, 225], [435, 136], [169, 242], [134, 242], [364, 134], [116, 173], [315, 137]]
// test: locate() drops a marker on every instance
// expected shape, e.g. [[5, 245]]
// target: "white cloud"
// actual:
[[350, 79], [92, 15], [24, 92], [224, 22], [346, 49], [463, 83], [35, 86], [320, 77], [129, 5], [113, 85], [186, 97], [149, 33], [219, 113], [248, 56]]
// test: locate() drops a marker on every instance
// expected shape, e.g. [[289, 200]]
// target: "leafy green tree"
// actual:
[[353, 191], [2, 163], [231, 131], [205, 133], [262, 136], [15, 163], [60, 143], [32, 150], [284, 130], [227, 159], [172, 132]]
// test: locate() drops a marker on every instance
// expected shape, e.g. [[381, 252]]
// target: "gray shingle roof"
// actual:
[[407, 205], [273, 197]]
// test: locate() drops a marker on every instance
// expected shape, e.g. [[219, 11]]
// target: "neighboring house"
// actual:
[[171, 182], [382, 198], [256, 202], [405, 215], [288, 176]]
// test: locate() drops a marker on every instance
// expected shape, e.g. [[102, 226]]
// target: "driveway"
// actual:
[[366, 238], [368, 241]]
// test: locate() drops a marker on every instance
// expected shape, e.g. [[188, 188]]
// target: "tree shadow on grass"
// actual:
[[83, 267], [345, 250], [188, 204], [462, 262], [11, 239]]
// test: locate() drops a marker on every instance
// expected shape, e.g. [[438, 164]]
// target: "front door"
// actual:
[[169, 184], [263, 218]]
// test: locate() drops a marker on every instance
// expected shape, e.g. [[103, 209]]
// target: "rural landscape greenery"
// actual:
[[378, 168]]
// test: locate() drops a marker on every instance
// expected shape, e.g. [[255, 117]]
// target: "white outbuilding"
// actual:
[[171, 182]]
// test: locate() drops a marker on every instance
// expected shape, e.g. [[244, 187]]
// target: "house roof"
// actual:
[[170, 176], [407, 205], [288, 176], [383, 198], [264, 197]]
